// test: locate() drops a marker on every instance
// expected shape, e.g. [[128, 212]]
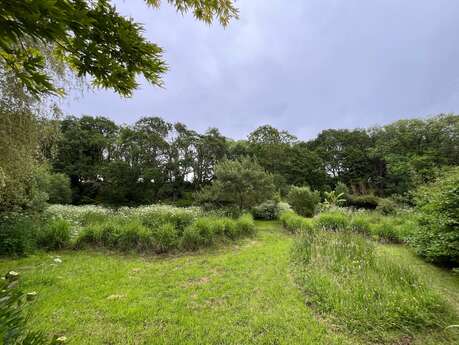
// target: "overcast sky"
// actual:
[[299, 65]]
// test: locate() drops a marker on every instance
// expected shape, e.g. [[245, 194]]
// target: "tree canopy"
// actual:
[[241, 183], [155, 160]]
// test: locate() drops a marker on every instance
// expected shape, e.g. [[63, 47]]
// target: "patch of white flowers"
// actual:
[[158, 210], [77, 213]]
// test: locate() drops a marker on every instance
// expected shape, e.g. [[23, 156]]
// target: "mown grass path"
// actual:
[[240, 294]]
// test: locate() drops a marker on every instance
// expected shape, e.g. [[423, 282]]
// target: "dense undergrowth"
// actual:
[[353, 285]]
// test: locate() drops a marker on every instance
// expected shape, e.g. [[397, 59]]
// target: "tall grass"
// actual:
[[395, 229], [363, 291], [164, 234], [295, 223]]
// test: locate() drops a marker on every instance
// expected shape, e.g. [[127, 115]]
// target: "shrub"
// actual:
[[334, 220], [303, 201], [59, 190], [283, 207], [366, 294], [341, 188], [91, 234], [241, 183], [152, 215], [16, 233], [54, 234], [55, 186], [437, 237], [333, 199], [268, 210], [368, 202], [406, 229], [159, 228]]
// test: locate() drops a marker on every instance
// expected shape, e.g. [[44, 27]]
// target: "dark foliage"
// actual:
[[437, 237], [154, 160]]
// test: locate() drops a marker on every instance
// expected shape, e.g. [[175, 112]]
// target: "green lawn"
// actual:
[[240, 294]]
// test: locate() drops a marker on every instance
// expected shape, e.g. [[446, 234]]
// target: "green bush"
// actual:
[[368, 295], [56, 186], [333, 220], [17, 233], [157, 228], [341, 188], [229, 227], [54, 234], [59, 190], [192, 239], [269, 210], [368, 202], [242, 184], [82, 215], [437, 237], [303, 201]]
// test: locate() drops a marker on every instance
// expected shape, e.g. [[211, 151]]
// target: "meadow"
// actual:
[[151, 230], [337, 278]]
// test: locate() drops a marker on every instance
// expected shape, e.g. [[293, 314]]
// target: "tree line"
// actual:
[[154, 160]]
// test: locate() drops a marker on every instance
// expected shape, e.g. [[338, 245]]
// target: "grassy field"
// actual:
[[239, 294]]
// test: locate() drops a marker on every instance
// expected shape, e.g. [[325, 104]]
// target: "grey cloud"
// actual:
[[299, 65]]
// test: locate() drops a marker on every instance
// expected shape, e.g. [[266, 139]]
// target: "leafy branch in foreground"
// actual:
[[91, 37]]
